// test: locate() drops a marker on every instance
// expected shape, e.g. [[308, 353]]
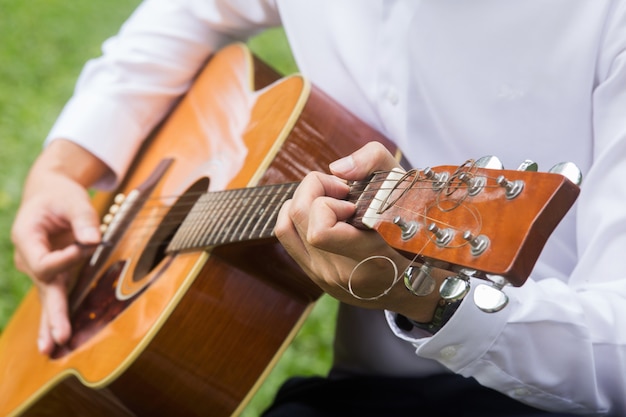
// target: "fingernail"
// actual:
[[40, 344], [345, 164], [89, 234], [56, 334]]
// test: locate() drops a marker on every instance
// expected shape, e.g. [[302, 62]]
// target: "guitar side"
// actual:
[[200, 338]]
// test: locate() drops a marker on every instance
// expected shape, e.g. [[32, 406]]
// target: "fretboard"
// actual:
[[247, 214], [230, 216]]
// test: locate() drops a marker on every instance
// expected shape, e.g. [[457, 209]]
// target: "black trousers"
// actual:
[[436, 396]]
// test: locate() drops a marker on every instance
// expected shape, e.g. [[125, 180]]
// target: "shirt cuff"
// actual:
[[465, 338], [103, 127]]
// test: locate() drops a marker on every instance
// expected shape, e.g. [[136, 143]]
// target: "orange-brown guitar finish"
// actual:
[[203, 333]]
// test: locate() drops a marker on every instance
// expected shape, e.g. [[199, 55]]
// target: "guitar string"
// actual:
[[151, 220], [151, 224], [242, 201], [129, 242], [234, 192], [397, 276]]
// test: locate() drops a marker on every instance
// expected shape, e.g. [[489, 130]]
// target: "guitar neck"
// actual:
[[231, 216]]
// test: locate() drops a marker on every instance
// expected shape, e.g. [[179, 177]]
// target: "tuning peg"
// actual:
[[479, 244], [512, 188], [569, 170], [443, 236], [528, 165], [456, 287], [408, 228], [489, 161], [419, 284], [491, 298], [474, 184], [438, 179]]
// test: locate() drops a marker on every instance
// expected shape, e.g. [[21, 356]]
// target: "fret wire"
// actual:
[[254, 231], [213, 220], [229, 220], [206, 213], [185, 230], [273, 215], [252, 208]]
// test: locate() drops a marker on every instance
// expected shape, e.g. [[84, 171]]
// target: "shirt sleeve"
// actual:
[[122, 95], [559, 344]]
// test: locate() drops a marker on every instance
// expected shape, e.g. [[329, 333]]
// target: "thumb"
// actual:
[[363, 162], [85, 223]]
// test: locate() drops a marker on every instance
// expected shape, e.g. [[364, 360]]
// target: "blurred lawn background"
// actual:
[[43, 46]]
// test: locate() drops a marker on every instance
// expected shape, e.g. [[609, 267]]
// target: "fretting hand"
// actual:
[[312, 228]]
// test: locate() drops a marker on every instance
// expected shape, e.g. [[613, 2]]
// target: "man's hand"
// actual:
[[53, 226], [312, 228]]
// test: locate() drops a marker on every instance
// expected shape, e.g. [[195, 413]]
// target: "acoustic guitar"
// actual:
[[189, 300]]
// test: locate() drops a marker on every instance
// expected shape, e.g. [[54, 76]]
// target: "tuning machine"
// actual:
[[456, 287], [490, 162], [528, 165], [491, 298], [475, 184], [438, 179], [569, 170], [419, 280], [488, 298]]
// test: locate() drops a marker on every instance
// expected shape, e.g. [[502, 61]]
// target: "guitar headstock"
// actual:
[[492, 221]]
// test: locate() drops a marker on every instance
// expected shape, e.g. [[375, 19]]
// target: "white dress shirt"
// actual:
[[447, 81]]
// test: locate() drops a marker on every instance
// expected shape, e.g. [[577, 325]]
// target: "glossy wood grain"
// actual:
[[517, 228], [203, 331]]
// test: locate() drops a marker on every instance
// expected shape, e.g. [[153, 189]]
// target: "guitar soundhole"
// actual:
[[102, 304], [154, 253]]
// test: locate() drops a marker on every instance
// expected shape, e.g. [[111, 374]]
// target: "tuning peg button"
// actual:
[[489, 161], [569, 170], [491, 298], [420, 283], [456, 287], [528, 165]]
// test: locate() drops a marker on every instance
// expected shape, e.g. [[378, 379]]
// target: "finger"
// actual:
[[317, 184], [45, 266], [364, 161], [287, 233], [327, 229], [45, 343], [55, 310], [85, 224], [313, 186]]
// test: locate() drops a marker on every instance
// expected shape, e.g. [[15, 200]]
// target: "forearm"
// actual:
[[68, 159]]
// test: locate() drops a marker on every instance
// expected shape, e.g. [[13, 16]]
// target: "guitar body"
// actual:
[[205, 326]]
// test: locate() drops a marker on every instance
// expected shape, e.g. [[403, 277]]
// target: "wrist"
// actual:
[[70, 160], [451, 290], [443, 313]]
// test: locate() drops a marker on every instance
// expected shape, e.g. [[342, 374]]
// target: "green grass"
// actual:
[[44, 45]]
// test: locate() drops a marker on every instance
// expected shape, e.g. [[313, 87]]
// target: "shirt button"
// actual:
[[520, 392], [448, 352], [392, 96]]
